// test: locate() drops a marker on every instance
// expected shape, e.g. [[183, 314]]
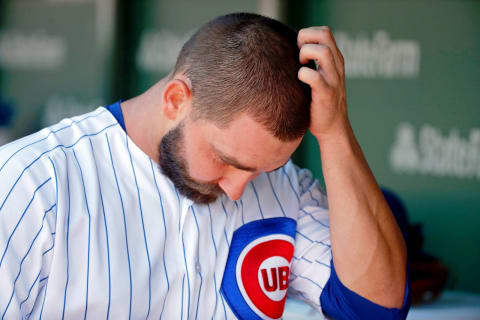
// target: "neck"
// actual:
[[144, 120]]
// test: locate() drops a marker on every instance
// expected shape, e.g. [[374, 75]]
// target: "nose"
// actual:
[[234, 181]]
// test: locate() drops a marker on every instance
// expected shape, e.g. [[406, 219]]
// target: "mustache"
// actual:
[[204, 188]]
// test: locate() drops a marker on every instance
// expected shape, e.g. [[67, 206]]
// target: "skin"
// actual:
[[367, 246]]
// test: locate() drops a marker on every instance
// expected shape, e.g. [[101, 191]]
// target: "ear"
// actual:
[[177, 99]]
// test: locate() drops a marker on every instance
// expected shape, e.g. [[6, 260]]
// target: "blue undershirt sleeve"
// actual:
[[339, 302]]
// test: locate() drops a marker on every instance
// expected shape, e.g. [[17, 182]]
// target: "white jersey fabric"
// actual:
[[91, 229]]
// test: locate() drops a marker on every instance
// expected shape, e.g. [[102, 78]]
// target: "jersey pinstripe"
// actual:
[[91, 228]]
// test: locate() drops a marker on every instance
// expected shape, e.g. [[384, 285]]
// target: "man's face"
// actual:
[[204, 161]]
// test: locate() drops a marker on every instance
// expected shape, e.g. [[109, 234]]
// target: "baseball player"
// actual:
[[182, 203]]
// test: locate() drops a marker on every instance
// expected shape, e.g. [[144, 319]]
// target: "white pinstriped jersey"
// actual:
[[91, 228]]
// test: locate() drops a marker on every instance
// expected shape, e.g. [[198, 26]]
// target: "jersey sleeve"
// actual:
[[313, 277], [27, 228], [310, 268], [340, 303]]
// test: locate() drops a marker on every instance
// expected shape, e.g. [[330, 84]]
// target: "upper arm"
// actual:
[[313, 276], [310, 268]]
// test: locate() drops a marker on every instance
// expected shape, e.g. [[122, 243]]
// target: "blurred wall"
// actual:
[[158, 30], [413, 86], [55, 61]]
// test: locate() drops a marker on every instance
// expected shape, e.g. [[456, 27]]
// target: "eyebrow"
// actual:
[[235, 163]]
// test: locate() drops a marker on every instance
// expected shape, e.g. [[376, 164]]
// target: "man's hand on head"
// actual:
[[329, 108], [368, 249]]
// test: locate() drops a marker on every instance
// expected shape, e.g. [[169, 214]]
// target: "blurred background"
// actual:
[[413, 84]]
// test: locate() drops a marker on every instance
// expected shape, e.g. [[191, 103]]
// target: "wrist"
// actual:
[[340, 135]]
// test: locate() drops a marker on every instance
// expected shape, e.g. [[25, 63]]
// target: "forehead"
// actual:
[[247, 141]]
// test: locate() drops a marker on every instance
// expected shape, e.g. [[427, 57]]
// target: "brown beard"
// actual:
[[173, 165]]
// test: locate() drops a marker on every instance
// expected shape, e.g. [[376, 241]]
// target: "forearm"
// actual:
[[367, 246], [368, 249]]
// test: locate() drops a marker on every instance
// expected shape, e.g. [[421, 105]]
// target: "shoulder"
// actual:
[[294, 179], [284, 181], [280, 192], [63, 135], [29, 160]]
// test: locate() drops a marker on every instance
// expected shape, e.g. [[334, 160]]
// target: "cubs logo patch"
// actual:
[[255, 280]]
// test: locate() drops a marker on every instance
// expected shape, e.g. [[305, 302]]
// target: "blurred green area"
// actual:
[[413, 87]]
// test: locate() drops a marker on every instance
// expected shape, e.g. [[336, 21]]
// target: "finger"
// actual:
[[313, 78], [322, 35], [324, 58], [313, 35]]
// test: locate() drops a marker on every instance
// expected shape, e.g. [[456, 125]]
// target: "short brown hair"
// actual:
[[245, 62]]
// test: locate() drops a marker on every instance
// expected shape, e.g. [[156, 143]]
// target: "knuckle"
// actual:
[[329, 93], [342, 62], [318, 81], [325, 52], [323, 34]]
